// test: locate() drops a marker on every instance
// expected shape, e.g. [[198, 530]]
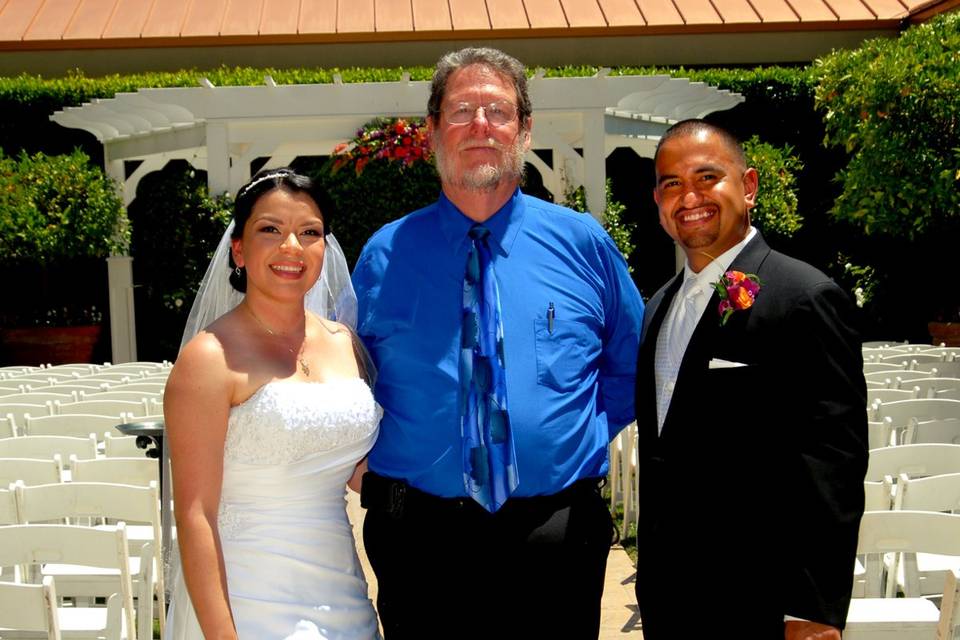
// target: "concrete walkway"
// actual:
[[619, 619]]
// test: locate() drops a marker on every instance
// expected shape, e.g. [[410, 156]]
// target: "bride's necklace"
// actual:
[[304, 367]]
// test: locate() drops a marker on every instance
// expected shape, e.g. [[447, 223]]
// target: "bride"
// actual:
[[268, 416]]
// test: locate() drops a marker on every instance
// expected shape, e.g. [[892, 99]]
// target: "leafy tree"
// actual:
[[892, 106]]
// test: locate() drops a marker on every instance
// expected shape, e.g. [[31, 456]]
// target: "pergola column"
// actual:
[[123, 332], [595, 162]]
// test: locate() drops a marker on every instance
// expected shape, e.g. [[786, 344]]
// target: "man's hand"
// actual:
[[803, 630]]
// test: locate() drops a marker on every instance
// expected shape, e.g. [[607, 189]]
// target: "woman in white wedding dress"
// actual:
[[268, 416]]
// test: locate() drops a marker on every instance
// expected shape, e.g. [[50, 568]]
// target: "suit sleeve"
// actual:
[[829, 454], [623, 315]]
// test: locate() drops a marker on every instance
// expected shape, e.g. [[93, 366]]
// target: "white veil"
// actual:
[[332, 296]]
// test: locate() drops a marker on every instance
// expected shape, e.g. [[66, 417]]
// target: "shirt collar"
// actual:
[[504, 225], [711, 273]]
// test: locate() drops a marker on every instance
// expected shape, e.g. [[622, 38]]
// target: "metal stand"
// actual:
[[150, 439]]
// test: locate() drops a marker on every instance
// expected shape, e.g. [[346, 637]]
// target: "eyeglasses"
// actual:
[[497, 113]]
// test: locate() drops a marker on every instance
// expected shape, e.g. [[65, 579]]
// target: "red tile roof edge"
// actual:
[[478, 34]]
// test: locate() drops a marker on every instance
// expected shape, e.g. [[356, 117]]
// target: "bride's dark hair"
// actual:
[[262, 183]]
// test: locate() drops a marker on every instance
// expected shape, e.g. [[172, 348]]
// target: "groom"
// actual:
[[750, 408]]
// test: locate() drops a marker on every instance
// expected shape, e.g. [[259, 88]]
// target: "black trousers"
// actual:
[[446, 568]]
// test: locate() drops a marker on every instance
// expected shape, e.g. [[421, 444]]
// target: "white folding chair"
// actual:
[[932, 431], [116, 446], [15, 412], [103, 407], [924, 574], [30, 471], [880, 433], [48, 446], [149, 387], [79, 368], [6, 428], [41, 397], [884, 532], [136, 368], [915, 460], [891, 395], [101, 502], [139, 470], [874, 367], [948, 388], [35, 545], [950, 608], [901, 379], [900, 411], [105, 376], [72, 424], [119, 393], [878, 496], [30, 608]]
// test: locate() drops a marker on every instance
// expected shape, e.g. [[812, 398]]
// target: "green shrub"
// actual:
[[775, 213], [58, 208]]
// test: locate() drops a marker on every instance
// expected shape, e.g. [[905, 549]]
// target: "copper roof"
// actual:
[[71, 24]]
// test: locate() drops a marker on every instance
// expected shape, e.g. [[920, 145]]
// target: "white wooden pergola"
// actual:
[[223, 129]]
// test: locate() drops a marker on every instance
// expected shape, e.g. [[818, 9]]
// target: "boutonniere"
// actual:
[[737, 291]]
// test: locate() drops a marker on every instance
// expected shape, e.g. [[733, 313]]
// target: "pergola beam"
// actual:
[[223, 129]]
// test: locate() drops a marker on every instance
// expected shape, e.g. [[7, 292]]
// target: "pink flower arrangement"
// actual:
[[384, 139], [737, 291]]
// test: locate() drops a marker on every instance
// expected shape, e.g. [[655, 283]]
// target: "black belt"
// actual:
[[396, 497]]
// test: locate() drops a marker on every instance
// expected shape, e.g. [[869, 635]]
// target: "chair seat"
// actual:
[[86, 622], [932, 569], [75, 580], [891, 619]]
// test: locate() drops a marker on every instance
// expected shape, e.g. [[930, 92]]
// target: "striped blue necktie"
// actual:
[[489, 459]]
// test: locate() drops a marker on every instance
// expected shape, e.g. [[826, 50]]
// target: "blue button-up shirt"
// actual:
[[570, 379]]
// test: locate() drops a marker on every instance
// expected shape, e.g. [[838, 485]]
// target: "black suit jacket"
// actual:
[[750, 499]]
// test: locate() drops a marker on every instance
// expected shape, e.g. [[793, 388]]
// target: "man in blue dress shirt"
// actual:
[[446, 566]]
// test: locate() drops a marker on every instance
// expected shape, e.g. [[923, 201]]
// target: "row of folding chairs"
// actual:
[[27, 606], [73, 418], [55, 468], [65, 382], [909, 545], [83, 370], [911, 420], [917, 383]]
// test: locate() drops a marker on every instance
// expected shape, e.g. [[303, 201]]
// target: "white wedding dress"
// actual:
[[291, 564]]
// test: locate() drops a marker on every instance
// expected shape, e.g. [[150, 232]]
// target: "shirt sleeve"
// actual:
[[623, 316]]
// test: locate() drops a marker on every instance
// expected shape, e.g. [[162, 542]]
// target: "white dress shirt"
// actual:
[[682, 317]]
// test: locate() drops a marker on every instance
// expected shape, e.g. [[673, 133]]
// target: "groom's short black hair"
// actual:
[[694, 126]]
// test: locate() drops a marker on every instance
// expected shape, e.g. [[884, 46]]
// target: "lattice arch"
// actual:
[[223, 129]]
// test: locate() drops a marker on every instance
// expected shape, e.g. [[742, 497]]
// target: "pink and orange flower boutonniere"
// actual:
[[737, 291]]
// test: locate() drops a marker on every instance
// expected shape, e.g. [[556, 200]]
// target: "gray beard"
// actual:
[[486, 177]]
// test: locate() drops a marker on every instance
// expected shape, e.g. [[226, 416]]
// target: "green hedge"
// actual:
[[779, 109]]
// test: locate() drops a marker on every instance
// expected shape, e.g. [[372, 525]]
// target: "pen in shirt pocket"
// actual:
[[551, 313]]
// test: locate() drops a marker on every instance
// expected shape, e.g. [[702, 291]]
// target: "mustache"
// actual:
[[479, 143]]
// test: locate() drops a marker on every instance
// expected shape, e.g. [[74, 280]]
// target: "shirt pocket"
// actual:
[[561, 353]]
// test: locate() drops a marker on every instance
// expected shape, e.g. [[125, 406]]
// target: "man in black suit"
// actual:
[[751, 420]]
